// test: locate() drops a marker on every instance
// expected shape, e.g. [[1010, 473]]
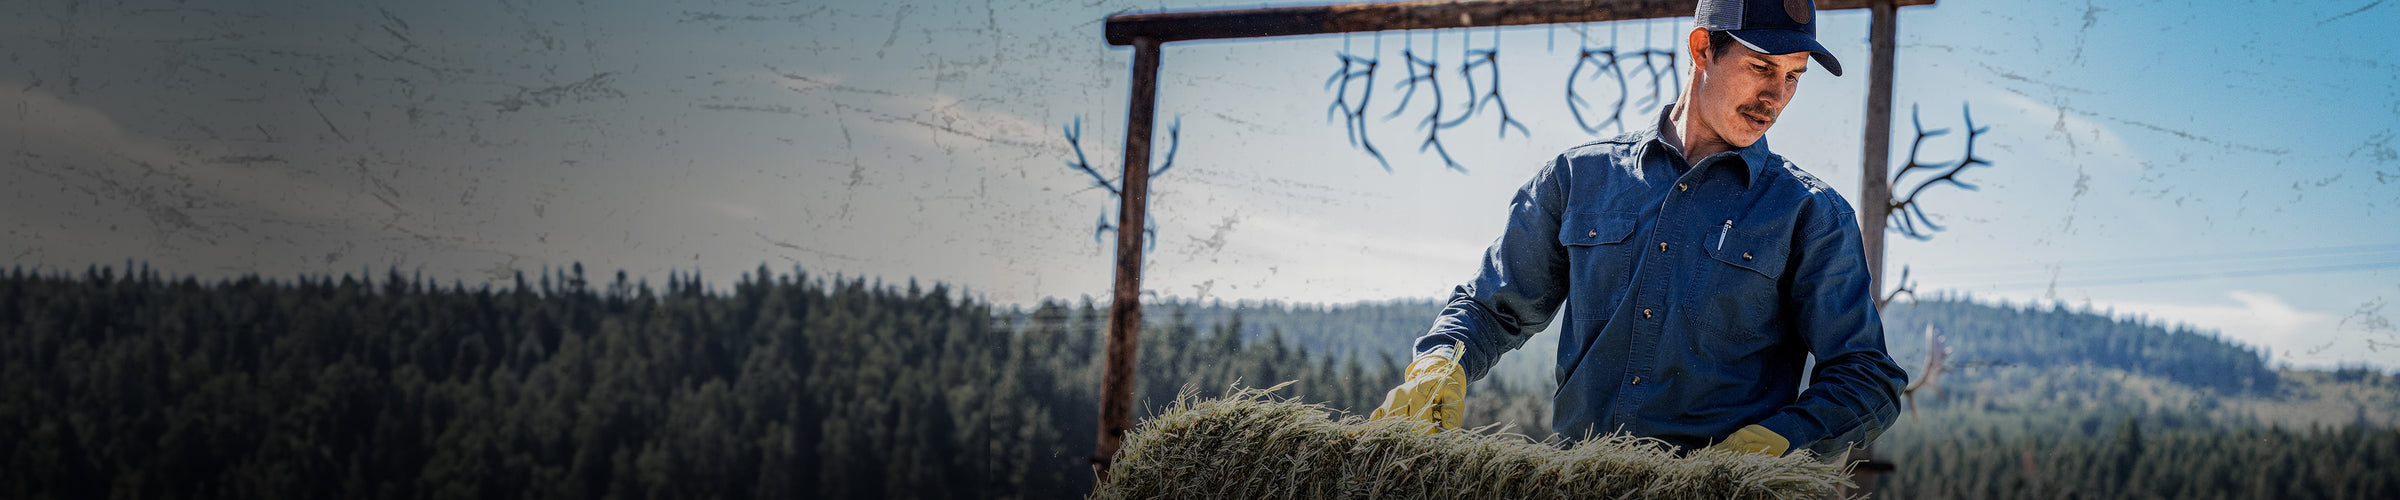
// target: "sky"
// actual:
[[2224, 165]]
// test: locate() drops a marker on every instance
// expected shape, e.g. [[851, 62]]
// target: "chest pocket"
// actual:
[[1740, 289], [1762, 255], [1599, 263], [1595, 228]]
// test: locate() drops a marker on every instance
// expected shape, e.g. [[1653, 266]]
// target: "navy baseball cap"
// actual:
[[1769, 27]]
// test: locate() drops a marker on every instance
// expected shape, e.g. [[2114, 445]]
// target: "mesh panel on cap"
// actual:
[[1719, 16]]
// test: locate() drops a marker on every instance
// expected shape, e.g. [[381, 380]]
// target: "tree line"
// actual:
[[2117, 451], [129, 383], [126, 383]]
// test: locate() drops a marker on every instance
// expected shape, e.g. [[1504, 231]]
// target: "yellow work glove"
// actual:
[[1755, 439], [1436, 391]]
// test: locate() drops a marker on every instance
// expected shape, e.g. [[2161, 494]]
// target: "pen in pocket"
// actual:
[[1721, 234]]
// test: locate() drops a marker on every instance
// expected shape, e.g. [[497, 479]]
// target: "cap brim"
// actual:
[[1783, 41]]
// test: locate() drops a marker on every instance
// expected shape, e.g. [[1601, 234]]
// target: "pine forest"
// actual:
[[137, 383]]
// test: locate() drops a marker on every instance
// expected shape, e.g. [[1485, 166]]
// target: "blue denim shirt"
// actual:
[[1693, 295]]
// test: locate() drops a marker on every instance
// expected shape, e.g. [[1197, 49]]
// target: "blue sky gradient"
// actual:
[[2226, 165]]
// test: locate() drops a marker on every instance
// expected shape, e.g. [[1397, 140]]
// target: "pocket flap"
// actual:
[[1595, 228], [1760, 254]]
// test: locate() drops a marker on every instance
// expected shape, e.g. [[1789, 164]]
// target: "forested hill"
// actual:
[[1371, 328], [1984, 335], [1978, 334]]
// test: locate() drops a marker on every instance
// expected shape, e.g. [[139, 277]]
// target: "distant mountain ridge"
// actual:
[[1367, 327], [1978, 334]]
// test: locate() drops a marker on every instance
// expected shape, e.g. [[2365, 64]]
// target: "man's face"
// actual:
[[1740, 93]]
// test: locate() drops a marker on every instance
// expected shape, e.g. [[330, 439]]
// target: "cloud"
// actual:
[[68, 158], [1277, 255], [88, 188], [63, 139], [2256, 317], [933, 120], [2084, 139], [2298, 336]]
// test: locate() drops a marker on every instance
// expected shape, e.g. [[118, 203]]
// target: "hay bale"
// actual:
[[1251, 445]]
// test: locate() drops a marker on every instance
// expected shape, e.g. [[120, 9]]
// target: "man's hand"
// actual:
[[1436, 391], [1755, 439]]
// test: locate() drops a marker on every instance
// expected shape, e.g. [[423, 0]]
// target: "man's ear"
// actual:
[[1699, 42]]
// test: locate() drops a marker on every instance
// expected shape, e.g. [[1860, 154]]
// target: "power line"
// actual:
[[2104, 272], [2128, 280], [2176, 259]]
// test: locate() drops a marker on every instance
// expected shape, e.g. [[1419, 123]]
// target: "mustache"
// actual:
[[1757, 109]]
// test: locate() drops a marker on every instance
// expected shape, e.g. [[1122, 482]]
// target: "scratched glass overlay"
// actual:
[[850, 249]]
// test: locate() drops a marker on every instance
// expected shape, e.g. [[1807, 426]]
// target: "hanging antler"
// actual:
[[1910, 214], [1074, 133], [1604, 61], [1659, 65], [1354, 117], [1408, 86], [1658, 94], [1174, 143], [1935, 355], [1488, 58], [1904, 287], [1424, 72]]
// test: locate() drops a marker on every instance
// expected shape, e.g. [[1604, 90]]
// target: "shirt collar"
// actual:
[[1753, 157]]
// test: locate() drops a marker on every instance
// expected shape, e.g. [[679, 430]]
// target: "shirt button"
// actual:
[[1591, 234], [1745, 255], [1682, 187], [1662, 246], [1645, 313], [1637, 380]]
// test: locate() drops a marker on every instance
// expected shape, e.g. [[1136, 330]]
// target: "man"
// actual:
[[1698, 271]]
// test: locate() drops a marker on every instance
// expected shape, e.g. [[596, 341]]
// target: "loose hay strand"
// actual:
[[1250, 444]]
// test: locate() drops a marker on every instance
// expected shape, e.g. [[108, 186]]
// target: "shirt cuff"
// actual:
[[1443, 350], [1794, 428]]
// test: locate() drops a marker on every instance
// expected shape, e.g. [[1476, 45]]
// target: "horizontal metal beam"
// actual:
[[1362, 17]]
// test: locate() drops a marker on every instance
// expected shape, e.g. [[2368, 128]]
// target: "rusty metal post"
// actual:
[[1875, 189], [1125, 310]]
